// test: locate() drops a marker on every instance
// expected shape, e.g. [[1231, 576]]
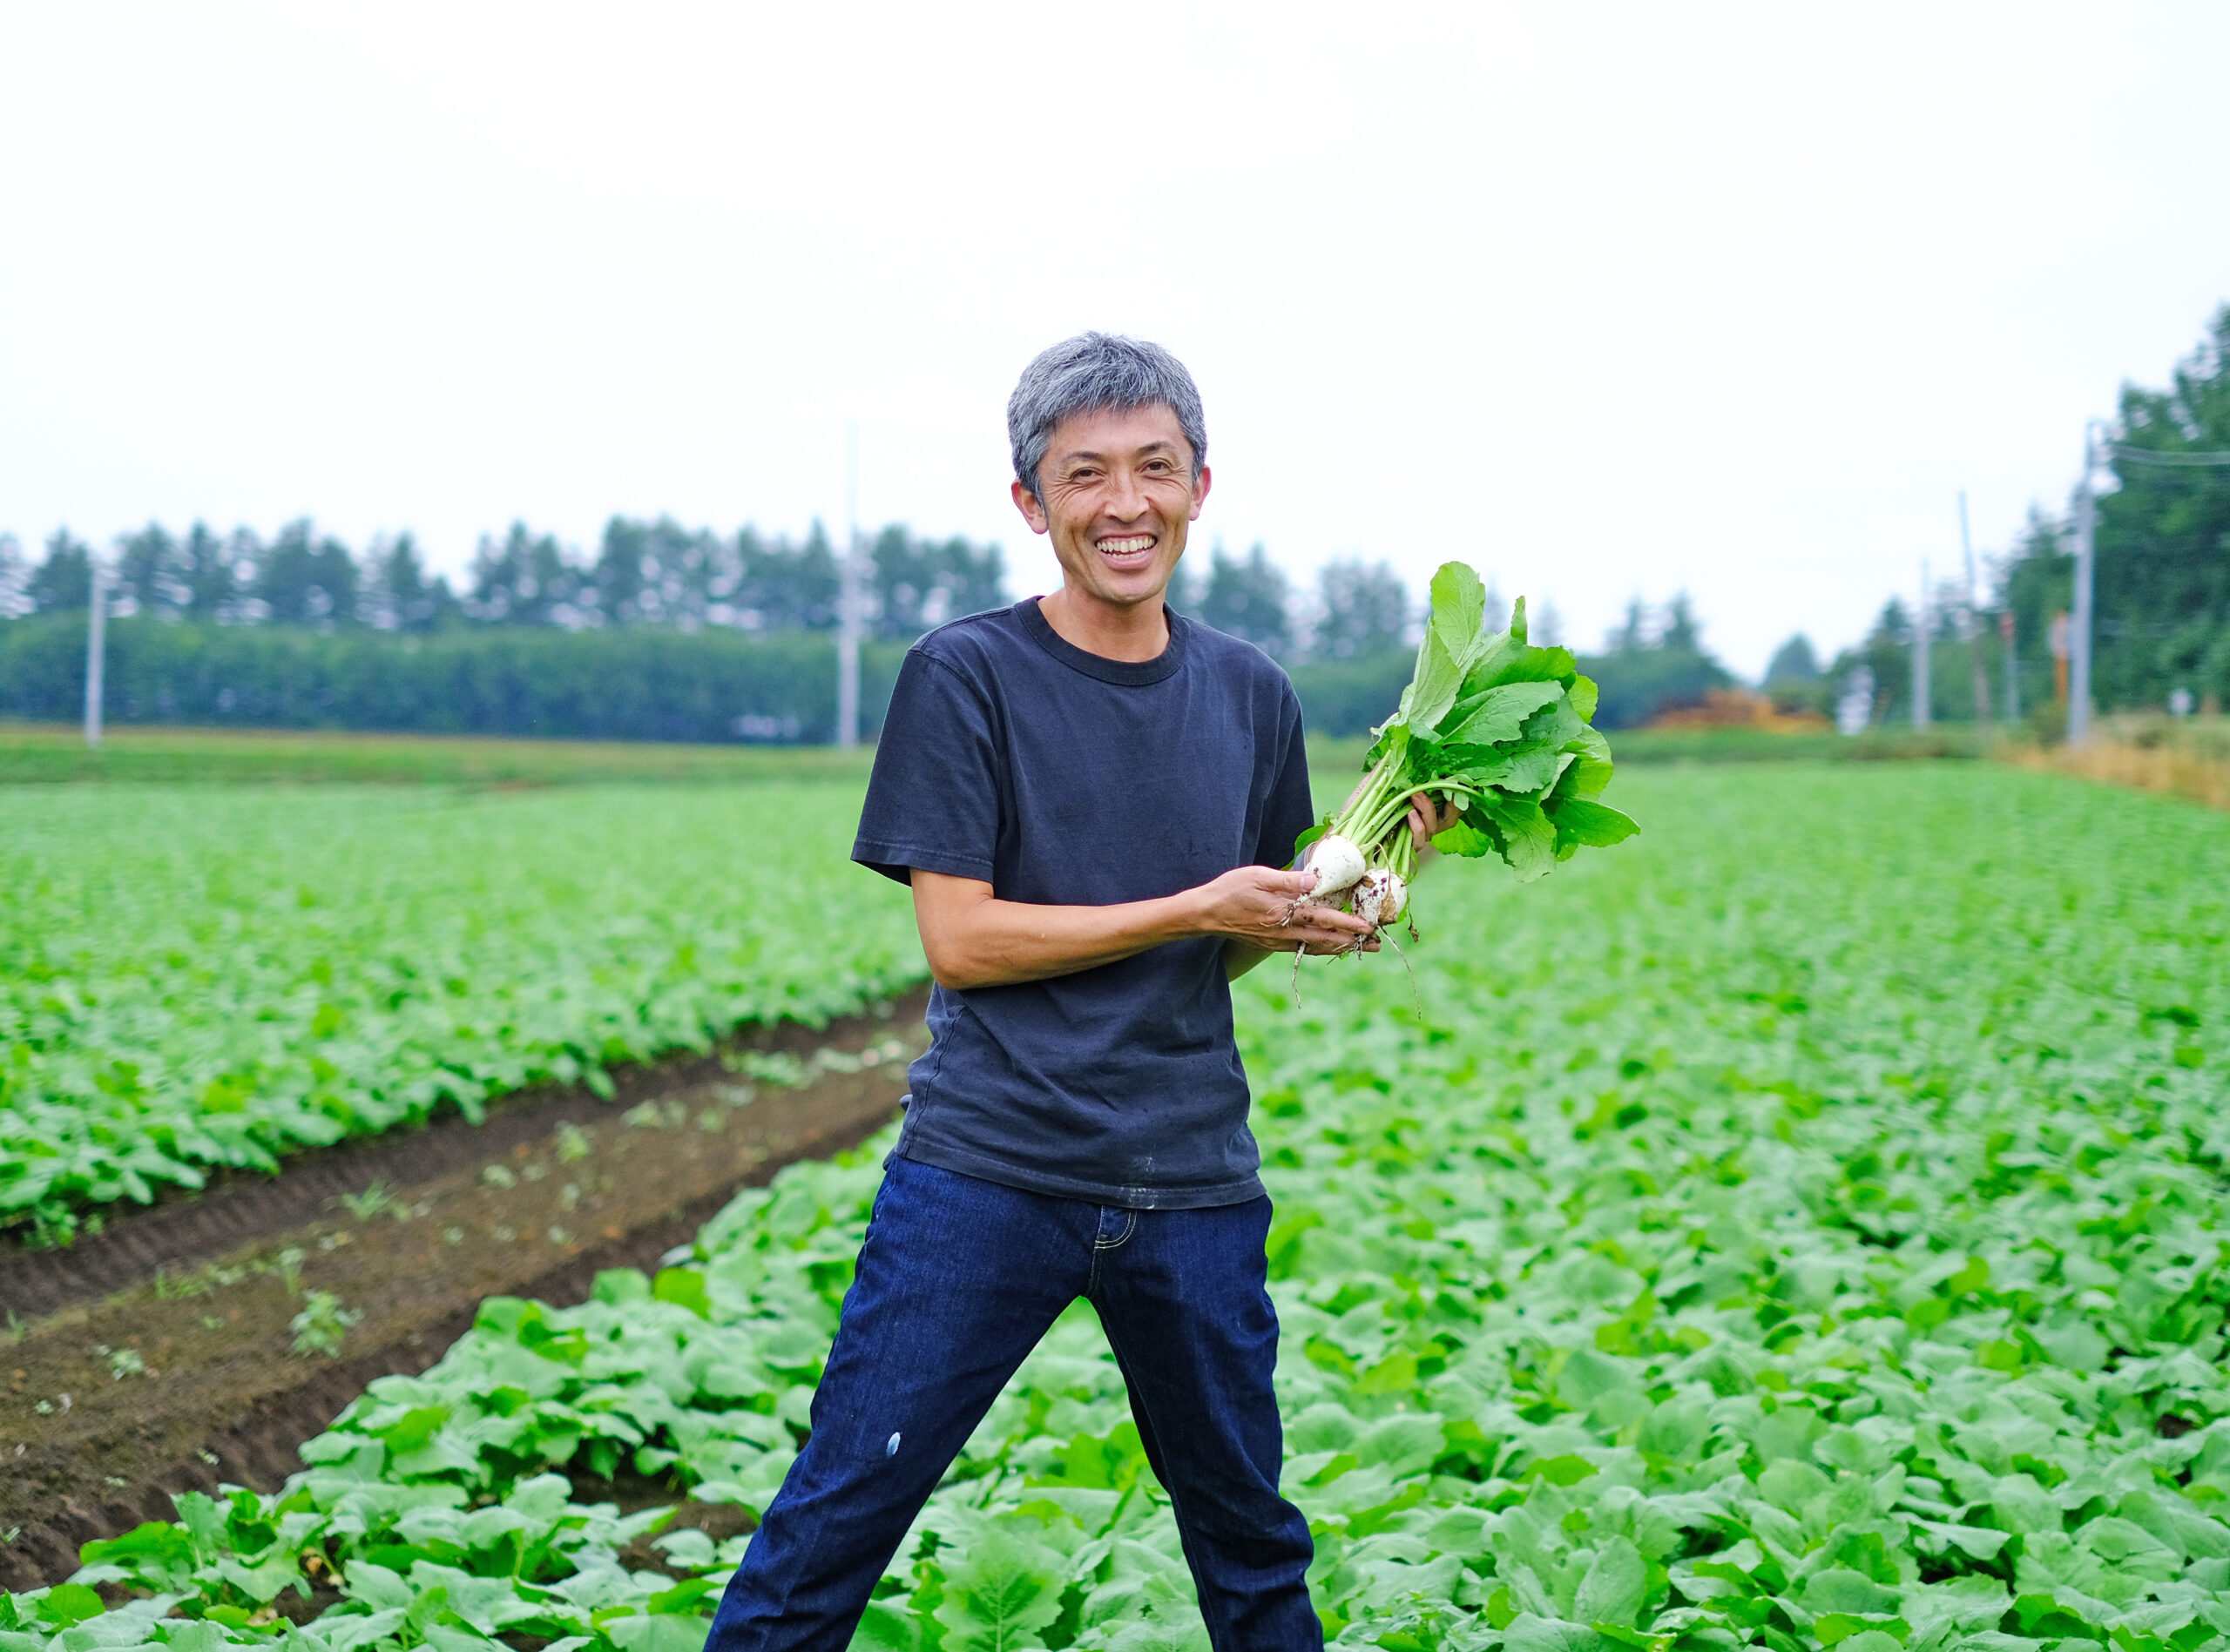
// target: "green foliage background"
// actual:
[[635, 683]]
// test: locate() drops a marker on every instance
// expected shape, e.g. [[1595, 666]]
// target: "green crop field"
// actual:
[[1802, 1226], [201, 975]]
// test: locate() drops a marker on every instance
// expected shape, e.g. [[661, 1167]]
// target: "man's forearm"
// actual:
[[988, 943], [973, 940]]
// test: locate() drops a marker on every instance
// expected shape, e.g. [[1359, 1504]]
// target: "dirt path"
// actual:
[[161, 1355]]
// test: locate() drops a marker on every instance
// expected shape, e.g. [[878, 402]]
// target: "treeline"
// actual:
[[642, 573], [663, 633], [633, 682]]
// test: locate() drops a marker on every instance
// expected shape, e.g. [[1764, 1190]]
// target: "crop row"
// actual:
[[193, 977], [1804, 1231]]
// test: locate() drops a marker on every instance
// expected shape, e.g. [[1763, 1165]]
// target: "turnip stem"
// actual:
[[1384, 815], [1368, 780]]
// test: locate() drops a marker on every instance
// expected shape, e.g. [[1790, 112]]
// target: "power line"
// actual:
[[2123, 453]]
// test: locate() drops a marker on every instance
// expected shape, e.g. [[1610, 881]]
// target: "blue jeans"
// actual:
[[958, 1280]]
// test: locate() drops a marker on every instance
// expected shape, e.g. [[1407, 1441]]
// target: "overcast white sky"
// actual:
[[1608, 299]]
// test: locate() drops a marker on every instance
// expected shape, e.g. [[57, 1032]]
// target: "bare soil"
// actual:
[[160, 1356]]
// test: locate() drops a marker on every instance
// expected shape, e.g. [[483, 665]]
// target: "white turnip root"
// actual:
[[1380, 897], [1338, 864]]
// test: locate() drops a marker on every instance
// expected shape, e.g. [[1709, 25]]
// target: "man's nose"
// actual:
[[1125, 499]]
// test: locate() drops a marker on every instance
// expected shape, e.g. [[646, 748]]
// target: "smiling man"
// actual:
[[1092, 798]]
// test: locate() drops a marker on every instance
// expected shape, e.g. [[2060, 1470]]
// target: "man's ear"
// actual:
[[1200, 492], [1034, 513]]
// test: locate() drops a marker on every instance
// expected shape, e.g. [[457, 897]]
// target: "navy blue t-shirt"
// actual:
[[1063, 779]]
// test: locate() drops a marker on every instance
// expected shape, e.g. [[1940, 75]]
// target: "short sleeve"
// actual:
[[1289, 809], [933, 799]]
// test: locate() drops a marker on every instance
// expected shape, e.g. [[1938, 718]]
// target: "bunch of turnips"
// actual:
[[1489, 723]]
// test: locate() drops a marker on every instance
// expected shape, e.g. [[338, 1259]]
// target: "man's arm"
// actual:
[[973, 939]]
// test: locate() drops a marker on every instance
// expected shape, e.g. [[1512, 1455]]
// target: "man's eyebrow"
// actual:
[[1159, 444]]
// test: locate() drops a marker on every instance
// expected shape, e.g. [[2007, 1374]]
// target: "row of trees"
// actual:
[[1361, 611], [631, 683], [654, 573]]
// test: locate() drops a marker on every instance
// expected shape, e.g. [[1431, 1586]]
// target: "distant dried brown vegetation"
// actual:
[[2184, 758], [1738, 708]]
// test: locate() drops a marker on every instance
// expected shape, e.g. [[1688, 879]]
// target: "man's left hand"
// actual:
[[1429, 817]]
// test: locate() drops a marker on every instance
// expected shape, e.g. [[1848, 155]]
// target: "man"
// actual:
[[1090, 797]]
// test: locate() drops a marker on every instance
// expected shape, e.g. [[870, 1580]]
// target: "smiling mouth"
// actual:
[[1130, 548]]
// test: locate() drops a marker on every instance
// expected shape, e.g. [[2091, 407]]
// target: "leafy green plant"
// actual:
[[288, 1264], [779, 1067], [368, 1204], [123, 1362], [322, 1324]]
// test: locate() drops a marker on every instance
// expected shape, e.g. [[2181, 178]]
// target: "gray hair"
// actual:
[[1091, 372]]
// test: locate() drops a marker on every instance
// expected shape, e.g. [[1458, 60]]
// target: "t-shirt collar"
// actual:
[[1127, 673]]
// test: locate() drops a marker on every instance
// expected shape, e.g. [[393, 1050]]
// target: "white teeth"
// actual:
[[1123, 547]]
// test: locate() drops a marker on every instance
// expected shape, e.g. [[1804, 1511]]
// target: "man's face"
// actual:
[[1116, 492]]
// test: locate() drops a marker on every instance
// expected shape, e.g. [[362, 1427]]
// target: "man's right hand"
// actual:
[[1261, 908]]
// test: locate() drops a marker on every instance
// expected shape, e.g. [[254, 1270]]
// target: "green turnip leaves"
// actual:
[[1499, 724]]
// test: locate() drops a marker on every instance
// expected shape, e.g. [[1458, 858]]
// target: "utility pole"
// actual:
[[2012, 669], [96, 625], [1973, 627], [849, 603], [1920, 653], [2078, 642]]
